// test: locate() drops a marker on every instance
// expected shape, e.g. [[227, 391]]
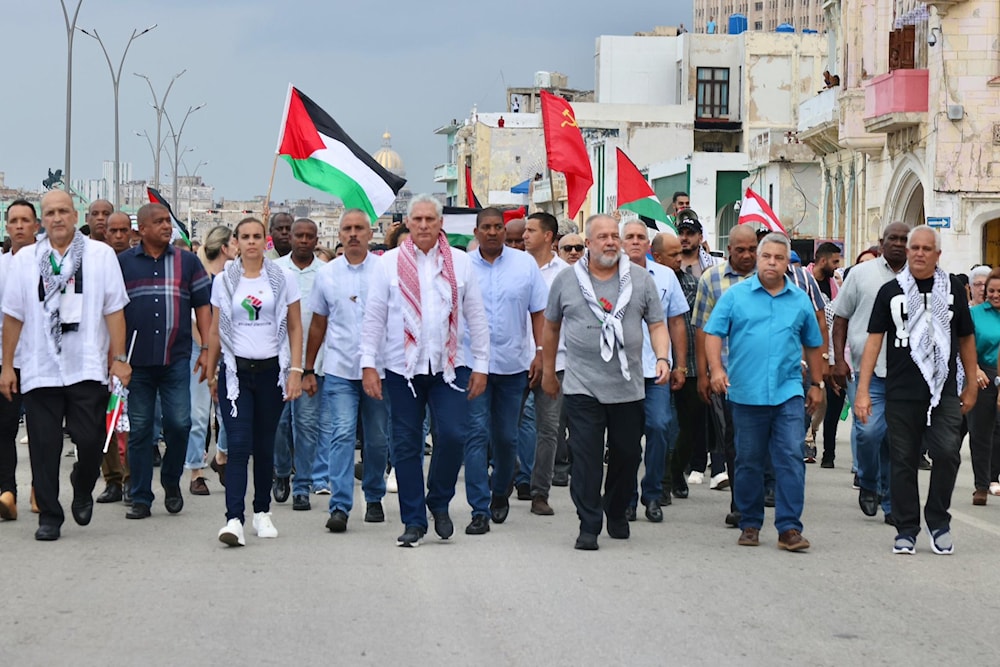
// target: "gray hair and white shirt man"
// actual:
[[603, 388]]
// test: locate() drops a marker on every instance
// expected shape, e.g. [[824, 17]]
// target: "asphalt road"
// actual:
[[165, 591]]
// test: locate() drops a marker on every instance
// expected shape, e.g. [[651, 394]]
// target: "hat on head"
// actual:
[[688, 219], [793, 258]]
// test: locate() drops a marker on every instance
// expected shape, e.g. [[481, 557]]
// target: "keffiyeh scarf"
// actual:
[[928, 330], [55, 277], [610, 316]]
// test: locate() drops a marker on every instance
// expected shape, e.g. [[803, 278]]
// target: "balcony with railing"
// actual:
[[819, 121], [896, 101], [444, 173]]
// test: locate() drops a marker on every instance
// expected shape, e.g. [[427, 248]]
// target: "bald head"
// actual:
[[59, 218], [119, 230], [515, 234], [97, 217], [147, 211], [743, 249], [666, 250]]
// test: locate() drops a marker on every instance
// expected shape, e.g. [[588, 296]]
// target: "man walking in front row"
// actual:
[[164, 285], [603, 390], [767, 322], [65, 295], [926, 314]]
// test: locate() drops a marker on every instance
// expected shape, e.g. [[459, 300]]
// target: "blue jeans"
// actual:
[[872, 459], [493, 419], [201, 412], [171, 383], [300, 419], [450, 412], [341, 398], [660, 431], [251, 432], [527, 436], [773, 431]]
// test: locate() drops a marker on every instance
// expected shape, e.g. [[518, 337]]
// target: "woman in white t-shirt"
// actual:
[[256, 332]]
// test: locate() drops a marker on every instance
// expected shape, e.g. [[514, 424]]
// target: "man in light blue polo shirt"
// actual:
[[660, 423], [767, 322], [512, 287]]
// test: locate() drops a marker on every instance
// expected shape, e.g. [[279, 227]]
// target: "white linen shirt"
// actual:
[[85, 351], [340, 295], [382, 329], [5, 260], [668, 288], [306, 279], [512, 286]]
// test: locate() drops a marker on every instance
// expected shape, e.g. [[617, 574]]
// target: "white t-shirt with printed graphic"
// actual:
[[255, 325]]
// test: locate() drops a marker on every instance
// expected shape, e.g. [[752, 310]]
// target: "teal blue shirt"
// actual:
[[766, 335], [986, 319]]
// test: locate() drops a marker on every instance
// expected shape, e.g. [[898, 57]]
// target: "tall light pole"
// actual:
[[152, 151], [190, 175], [70, 31], [177, 140], [116, 78], [159, 105]]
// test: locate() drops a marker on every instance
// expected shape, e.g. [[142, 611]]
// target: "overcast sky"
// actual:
[[406, 66]]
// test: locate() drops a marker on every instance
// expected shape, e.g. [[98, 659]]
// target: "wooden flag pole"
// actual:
[[270, 185]]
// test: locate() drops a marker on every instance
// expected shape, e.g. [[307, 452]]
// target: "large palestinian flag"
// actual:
[[323, 156], [459, 225]]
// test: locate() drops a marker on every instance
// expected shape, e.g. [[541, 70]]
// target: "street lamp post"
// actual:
[[70, 31], [116, 78], [177, 141], [190, 175], [159, 105]]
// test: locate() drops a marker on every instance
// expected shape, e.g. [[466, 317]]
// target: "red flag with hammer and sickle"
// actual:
[[565, 149]]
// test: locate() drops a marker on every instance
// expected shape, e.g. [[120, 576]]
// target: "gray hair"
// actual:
[[980, 271], [425, 198], [355, 211], [925, 228], [640, 223], [567, 226], [779, 238], [596, 217]]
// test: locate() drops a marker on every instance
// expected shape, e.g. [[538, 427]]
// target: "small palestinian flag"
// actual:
[[634, 194], [116, 416], [322, 155], [156, 198]]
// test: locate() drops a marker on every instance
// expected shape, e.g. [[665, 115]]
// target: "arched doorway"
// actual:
[[991, 242], [913, 211], [728, 217]]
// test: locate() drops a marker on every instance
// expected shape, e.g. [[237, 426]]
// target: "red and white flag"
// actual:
[[755, 209]]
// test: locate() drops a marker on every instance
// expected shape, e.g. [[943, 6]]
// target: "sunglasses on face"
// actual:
[[573, 248]]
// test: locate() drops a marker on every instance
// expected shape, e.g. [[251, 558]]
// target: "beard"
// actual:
[[606, 260]]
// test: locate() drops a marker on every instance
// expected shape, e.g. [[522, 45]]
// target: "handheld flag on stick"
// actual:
[[634, 194], [156, 198], [116, 420], [755, 209], [565, 149]]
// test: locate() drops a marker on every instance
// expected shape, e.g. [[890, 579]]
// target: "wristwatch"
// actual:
[[820, 384], [120, 357], [826, 356]]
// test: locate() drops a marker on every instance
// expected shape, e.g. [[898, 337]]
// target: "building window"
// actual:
[[759, 6], [713, 92], [758, 25], [902, 48]]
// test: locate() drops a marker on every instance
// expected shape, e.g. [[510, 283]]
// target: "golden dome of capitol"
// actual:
[[388, 158]]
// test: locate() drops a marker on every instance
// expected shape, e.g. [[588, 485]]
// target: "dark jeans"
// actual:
[[82, 406], [984, 435], [721, 414], [173, 385], [588, 421], [906, 425], [450, 417], [10, 415], [692, 419], [834, 406], [250, 432]]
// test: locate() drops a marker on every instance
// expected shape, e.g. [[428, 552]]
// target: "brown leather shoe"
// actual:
[[199, 487], [792, 540], [979, 497], [540, 505], [8, 506], [750, 537]]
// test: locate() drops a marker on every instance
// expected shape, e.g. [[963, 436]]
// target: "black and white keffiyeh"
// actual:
[[928, 330], [230, 277], [610, 317], [55, 277]]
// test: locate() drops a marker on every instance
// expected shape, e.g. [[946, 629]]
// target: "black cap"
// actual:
[[688, 219]]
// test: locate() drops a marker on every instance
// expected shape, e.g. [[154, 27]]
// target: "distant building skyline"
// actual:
[[762, 15]]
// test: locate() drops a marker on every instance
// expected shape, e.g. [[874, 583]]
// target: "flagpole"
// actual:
[[270, 185], [118, 408], [277, 152]]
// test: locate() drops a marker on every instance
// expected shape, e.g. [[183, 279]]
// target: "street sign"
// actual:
[[939, 223]]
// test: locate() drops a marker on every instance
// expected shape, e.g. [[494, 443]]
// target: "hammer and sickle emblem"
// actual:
[[571, 121]]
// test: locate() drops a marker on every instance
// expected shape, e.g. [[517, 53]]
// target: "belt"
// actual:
[[244, 365]]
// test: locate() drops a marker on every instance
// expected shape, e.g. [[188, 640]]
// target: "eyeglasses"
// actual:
[[573, 248]]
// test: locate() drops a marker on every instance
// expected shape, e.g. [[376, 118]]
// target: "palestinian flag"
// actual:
[[179, 227], [634, 194], [322, 155], [459, 225]]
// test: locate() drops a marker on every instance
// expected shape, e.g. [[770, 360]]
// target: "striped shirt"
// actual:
[[689, 285], [162, 293]]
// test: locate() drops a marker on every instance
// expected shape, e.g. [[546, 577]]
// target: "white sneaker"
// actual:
[[263, 525], [719, 482], [24, 440], [232, 534], [995, 488], [390, 482], [696, 477]]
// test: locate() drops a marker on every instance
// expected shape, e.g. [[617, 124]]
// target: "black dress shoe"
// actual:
[[337, 523], [127, 496], [630, 513], [112, 494], [47, 533], [374, 513], [826, 463], [524, 491], [301, 503], [560, 478], [769, 498], [281, 489], [499, 509], [868, 500], [480, 525], [586, 542], [681, 491], [618, 529], [173, 500], [443, 525], [733, 519], [653, 511], [359, 470], [138, 511], [82, 507], [665, 500]]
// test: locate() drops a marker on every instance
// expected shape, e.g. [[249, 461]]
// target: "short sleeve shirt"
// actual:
[[254, 314]]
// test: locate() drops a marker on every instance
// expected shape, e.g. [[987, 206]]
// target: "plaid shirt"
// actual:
[[711, 286], [162, 292], [689, 285]]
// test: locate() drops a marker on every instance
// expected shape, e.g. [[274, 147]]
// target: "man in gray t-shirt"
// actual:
[[599, 305]]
